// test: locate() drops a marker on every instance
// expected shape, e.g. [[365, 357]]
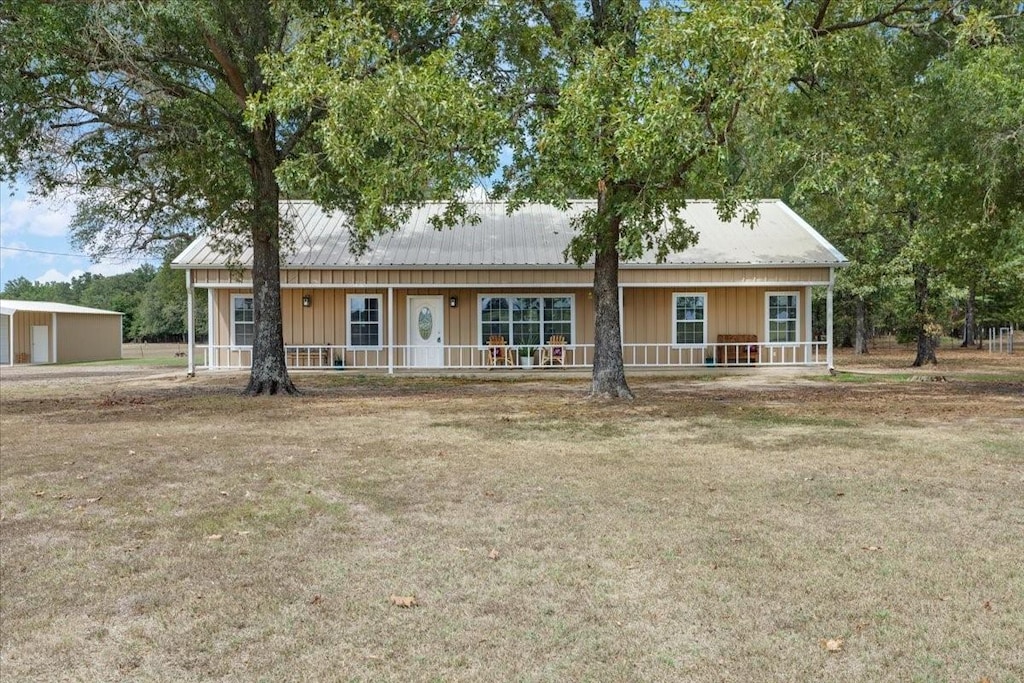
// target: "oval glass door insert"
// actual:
[[425, 322]]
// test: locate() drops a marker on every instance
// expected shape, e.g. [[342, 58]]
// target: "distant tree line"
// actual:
[[152, 299]]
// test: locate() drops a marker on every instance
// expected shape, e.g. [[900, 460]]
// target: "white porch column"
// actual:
[[808, 331], [53, 338], [391, 330], [828, 322], [211, 330], [190, 321], [10, 339]]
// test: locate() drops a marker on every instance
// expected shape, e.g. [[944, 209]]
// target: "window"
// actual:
[[783, 318], [243, 323], [364, 320], [690, 319], [526, 320]]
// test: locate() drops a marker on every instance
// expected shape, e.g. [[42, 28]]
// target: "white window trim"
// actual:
[[380, 322], [522, 295], [232, 323], [768, 320], [675, 320]]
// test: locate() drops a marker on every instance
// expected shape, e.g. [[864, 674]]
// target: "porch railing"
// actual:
[[472, 357]]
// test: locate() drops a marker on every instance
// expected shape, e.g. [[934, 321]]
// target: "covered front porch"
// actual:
[[472, 357], [369, 327]]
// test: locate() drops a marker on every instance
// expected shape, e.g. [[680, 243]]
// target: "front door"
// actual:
[[426, 331], [40, 344]]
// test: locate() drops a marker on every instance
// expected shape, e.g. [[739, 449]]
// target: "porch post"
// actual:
[[828, 322], [391, 330], [53, 337], [10, 339], [211, 330], [808, 331], [190, 322]]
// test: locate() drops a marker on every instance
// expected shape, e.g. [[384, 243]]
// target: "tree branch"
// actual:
[[231, 72]]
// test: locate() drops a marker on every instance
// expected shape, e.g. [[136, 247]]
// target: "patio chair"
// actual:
[[554, 352], [498, 352]]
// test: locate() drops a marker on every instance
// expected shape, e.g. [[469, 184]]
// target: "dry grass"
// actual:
[[164, 529]]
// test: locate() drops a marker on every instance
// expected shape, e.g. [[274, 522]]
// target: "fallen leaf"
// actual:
[[214, 537], [988, 605], [494, 554], [840, 494], [834, 644], [317, 599], [872, 548], [131, 452], [403, 600], [94, 500]]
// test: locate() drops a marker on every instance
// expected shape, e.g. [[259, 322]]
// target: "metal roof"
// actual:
[[11, 306], [535, 235]]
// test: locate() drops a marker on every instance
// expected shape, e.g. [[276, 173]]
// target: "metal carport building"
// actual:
[[48, 332]]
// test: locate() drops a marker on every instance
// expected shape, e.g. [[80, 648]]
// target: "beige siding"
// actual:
[[509, 276], [83, 337], [751, 276], [21, 345], [730, 310]]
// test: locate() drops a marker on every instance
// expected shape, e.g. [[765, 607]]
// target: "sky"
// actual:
[[34, 240]]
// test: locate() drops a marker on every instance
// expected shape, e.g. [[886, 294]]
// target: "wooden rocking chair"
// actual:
[[554, 352], [498, 352]]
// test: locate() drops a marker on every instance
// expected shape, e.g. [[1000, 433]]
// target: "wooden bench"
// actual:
[[742, 348]]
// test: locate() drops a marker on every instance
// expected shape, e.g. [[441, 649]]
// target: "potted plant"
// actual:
[[526, 356], [339, 360]]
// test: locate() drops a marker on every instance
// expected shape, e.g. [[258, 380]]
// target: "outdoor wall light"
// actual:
[[453, 301], [307, 301]]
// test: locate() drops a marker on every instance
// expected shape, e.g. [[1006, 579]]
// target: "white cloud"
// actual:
[[114, 267], [54, 275], [27, 216]]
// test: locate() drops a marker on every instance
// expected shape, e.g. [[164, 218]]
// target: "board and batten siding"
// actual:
[[628, 276], [21, 344], [88, 336], [730, 310], [324, 321]]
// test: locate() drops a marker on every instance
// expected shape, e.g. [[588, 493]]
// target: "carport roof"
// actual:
[[11, 306]]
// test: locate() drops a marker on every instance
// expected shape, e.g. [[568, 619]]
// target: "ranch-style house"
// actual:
[[500, 293]]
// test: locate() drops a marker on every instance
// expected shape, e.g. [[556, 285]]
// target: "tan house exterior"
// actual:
[[422, 298], [48, 332]]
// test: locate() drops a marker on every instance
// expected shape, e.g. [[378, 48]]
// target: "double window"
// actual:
[[243, 322], [689, 319], [526, 320], [783, 317], [364, 320]]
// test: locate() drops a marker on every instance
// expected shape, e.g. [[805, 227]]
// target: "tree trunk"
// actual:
[[269, 372], [925, 335], [860, 342], [609, 378], [969, 319]]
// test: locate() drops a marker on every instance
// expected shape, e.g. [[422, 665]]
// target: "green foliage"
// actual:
[[904, 148], [397, 123]]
